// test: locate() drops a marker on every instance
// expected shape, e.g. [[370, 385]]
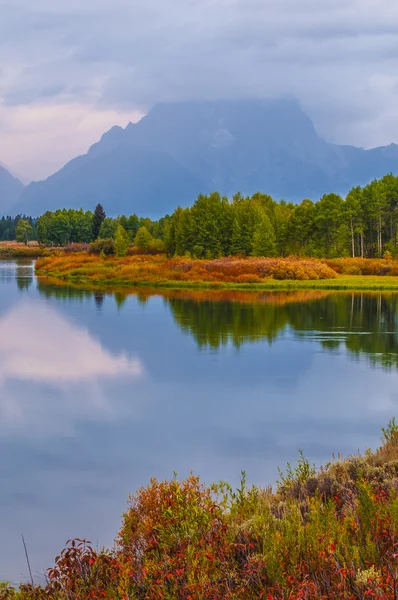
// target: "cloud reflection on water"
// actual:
[[39, 347]]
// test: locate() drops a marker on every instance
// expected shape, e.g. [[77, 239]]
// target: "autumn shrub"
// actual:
[[157, 268], [364, 266], [322, 534], [75, 247], [103, 246]]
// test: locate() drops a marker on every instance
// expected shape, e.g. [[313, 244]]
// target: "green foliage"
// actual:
[[146, 243], [122, 241], [299, 474], [23, 231], [103, 246], [63, 227], [264, 242], [143, 240], [108, 228], [8, 227], [390, 433]]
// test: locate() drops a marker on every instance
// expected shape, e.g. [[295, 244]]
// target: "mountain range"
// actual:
[[179, 150], [10, 190]]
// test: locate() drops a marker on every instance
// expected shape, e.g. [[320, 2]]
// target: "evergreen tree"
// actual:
[[98, 218], [108, 228]]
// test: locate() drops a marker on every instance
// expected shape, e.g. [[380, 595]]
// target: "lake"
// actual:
[[101, 391]]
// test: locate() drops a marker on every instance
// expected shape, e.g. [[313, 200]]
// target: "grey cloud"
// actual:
[[337, 56]]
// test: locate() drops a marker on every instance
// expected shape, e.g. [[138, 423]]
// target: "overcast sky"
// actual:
[[70, 69]]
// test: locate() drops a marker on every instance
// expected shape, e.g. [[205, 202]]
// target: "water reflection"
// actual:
[[365, 324], [24, 275], [101, 390], [362, 322], [41, 350]]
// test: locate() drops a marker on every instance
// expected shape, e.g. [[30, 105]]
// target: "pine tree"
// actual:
[[98, 217]]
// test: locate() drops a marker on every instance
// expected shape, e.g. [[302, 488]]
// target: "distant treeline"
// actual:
[[365, 223], [9, 228]]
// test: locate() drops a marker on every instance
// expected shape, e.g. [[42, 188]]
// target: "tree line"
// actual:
[[365, 224], [20, 228]]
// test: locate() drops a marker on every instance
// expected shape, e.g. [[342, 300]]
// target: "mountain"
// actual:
[[179, 150], [33, 170], [10, 191]]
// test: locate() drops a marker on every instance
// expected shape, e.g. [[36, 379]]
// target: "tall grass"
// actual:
[[18, 250], [157, 268]]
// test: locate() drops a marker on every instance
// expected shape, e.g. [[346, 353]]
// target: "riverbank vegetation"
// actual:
[[327, 533], [158, 269], [20, 250], [230, 272]]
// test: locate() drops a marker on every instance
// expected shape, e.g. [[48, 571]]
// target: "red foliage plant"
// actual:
[[320, 535]]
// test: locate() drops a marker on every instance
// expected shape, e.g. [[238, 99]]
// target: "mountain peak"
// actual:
[[10, 190], [181, 149]]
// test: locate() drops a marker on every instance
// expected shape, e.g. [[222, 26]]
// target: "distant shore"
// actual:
[[257, 274], [12, 250]]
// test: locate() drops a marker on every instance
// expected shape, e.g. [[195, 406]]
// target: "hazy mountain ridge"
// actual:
[[10, 190], [179, 150]]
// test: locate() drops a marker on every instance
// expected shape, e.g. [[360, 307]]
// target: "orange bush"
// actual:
[[158, 268], [363, 266], [331, 534]]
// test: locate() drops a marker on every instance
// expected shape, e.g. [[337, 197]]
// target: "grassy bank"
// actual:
[[227, 273], [10, 250], [331, 533]]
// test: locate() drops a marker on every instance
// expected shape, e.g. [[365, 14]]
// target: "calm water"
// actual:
[[100, 392]]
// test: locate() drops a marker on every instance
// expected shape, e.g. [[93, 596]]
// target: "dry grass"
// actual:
[[19, 250], [158, 269], [364, 266], [226, 273]]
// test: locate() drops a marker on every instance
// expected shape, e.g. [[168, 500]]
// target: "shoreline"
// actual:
[[229, 273], [354, 283]]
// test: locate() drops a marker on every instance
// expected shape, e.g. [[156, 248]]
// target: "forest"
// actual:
[[20, 228], [364, 224]]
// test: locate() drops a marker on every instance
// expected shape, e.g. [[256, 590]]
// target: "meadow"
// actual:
[[321, 534], [254, 273]]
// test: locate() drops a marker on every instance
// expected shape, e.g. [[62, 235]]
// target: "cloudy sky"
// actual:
[[70, 69]]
